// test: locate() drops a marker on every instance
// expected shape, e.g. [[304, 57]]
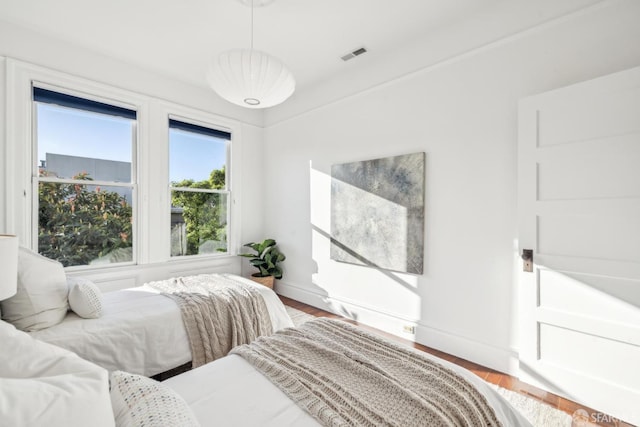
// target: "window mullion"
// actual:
[[199, 190], [85, 182]]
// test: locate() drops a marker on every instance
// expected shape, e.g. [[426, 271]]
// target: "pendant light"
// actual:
[[248, 77]]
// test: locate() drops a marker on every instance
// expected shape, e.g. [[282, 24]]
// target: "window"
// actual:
[[87, 179], [199, 186], [84, 178]]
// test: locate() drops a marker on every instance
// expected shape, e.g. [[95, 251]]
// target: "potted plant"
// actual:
[[266, 259]]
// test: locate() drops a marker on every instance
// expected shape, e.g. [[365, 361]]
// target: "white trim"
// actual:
[[21, 77], [500, 359], [199, 190], [233, 168], [53, 180], [150, 175], [5, 153], [89, 94], [103, 97], [204, 121]]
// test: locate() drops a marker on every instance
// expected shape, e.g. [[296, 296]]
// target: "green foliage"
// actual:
[[77, 225], [205, 214], [266, 258]]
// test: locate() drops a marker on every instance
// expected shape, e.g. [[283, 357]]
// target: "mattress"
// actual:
[[231, 392], [140, 331]]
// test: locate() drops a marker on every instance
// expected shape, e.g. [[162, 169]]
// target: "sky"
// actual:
[[77, 133]]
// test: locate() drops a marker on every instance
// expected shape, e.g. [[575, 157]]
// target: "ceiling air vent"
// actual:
[[353, 54]]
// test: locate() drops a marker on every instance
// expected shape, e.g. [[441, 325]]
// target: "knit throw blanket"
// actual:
[[344, 376], [219, 313]]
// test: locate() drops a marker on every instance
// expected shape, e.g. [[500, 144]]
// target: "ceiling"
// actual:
[[178, 38]]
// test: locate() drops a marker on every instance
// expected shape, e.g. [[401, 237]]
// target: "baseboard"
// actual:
[[497, 358], [500, 359]]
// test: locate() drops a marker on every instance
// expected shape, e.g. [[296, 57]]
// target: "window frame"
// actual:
[[153, 225], [228, 182], [36, 179]]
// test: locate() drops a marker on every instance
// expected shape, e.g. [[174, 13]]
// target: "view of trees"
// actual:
[[79, 223], [205, 214]]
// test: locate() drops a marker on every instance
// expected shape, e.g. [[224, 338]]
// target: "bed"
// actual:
[[232, 391], [264, 403], [140, 330]]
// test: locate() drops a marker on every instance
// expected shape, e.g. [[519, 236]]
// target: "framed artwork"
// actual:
[[377, 213]]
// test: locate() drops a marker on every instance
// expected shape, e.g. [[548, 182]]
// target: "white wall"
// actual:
[[67, 59], [252, 215], [462, 113]]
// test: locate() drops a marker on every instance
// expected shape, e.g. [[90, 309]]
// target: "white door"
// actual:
[[579, 211]]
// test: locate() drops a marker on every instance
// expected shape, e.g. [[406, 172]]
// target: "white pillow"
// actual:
[[41, 298], [46, 385], [85, 298], [138, 400]]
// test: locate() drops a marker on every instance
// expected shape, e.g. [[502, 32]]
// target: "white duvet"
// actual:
[[140, 331], [231, 392]]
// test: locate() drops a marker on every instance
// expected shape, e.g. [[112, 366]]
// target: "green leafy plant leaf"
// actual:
[[266, 258]]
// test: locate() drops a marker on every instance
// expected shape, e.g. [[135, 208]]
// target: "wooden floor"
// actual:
[[495, 377]]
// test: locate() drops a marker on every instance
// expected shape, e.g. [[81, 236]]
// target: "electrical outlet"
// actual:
[[409, 329]]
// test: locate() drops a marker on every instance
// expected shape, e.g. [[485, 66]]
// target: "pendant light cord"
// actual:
[[252, 24]]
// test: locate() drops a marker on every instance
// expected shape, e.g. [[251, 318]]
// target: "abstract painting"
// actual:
[[377, 212]]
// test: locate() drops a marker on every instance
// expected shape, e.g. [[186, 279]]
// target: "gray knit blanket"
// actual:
[[344, 376], [219, 313]]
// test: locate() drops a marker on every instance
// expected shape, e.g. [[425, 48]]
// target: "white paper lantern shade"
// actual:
[[250, 78]]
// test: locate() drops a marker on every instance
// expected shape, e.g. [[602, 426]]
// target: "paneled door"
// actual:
[[579, 212]]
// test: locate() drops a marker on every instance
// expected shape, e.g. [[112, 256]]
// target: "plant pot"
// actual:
[[266, 280]]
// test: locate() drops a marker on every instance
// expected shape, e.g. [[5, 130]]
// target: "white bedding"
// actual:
[[140, 331], [45, 385], [230, 392]]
